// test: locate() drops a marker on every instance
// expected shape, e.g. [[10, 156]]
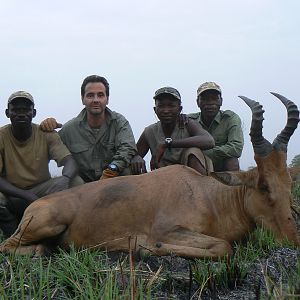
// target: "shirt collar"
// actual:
[[217, 118]]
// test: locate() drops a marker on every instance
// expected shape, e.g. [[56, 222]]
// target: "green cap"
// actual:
[[167, 90], [208, 86], [20, 94]]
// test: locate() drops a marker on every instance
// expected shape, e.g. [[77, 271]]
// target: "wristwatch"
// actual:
[[168, 142], [113, 167]]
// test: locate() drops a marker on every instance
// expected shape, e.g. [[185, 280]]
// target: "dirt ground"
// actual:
[[277, 266]]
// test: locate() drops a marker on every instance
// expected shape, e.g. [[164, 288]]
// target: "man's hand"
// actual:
[[156, 157], [107, 173], [138, 165], [19, 204], [61, 183], [49, 125]]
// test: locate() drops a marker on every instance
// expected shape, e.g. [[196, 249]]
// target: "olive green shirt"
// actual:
[[94, 149], [227, 132], [26, 164]]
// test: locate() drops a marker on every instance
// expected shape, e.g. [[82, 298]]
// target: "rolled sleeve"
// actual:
[[57, 150], [125, 144], [234, 144]]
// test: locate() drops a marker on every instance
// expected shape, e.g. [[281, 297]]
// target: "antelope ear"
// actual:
[[233, 178]]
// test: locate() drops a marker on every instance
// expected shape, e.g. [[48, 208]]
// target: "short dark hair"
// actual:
[[94, 78]]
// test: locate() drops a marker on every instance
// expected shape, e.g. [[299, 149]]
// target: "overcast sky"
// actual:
[[248, 47]]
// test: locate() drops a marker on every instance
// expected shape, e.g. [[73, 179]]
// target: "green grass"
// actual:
[[90, 274], [296, 190], [74, 275], [228, 273], [289, 290]]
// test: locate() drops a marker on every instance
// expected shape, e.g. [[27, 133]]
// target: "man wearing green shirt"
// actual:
[[224, 126], [100, 140]]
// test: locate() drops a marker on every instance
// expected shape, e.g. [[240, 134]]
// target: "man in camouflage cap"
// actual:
[[25, 152], [224, 126], [170, 140]]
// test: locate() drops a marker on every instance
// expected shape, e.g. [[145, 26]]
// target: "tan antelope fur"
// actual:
[[173, 209]]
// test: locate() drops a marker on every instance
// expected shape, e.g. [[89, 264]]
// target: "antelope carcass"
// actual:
[[173, 209]]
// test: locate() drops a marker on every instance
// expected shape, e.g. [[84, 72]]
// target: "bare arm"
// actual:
[[138, 165], [70, 168], [142, 145], [199, 138], [69, 171], [11, 190]]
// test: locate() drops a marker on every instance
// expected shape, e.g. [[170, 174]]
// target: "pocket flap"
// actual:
[[77, 148]]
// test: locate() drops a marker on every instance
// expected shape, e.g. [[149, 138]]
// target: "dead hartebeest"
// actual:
[[173, 209]]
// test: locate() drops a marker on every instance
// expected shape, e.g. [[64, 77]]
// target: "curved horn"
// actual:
[[283, 137], [260, 145]]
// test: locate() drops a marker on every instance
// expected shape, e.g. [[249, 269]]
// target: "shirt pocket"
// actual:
[[220, 139], [80, 153], [78, 148]]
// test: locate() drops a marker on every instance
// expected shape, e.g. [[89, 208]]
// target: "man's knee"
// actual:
[[195, 158], [77, 180], [194, 162], [8, 221], [203, 164], [3, 200]]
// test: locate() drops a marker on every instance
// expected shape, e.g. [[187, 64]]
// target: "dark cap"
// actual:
[[169, 91], [20, 94], [208, 86]]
